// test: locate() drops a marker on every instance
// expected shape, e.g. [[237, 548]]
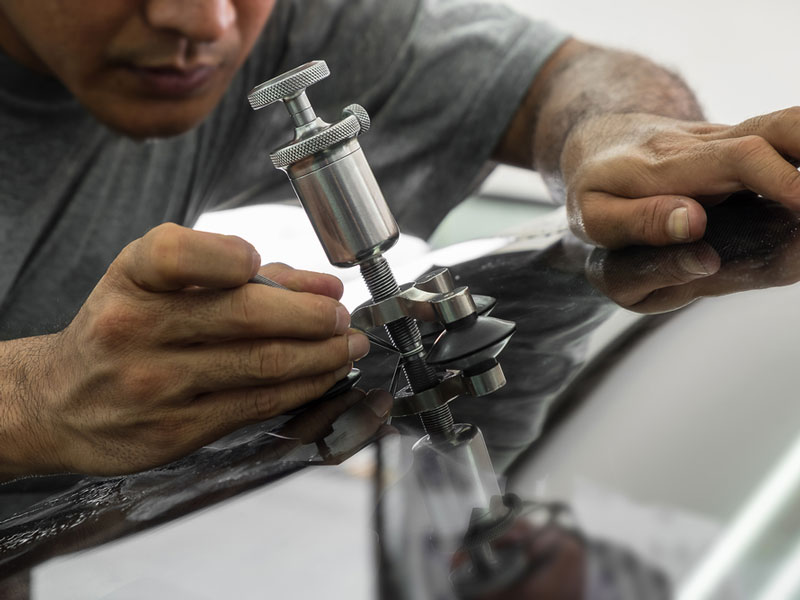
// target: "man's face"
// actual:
[[146, 68]]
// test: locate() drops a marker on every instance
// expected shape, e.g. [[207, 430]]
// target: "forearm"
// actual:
[[623, 143], [582, 81], [23, 368]]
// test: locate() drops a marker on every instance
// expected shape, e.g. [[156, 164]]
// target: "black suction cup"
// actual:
[[470, 342]]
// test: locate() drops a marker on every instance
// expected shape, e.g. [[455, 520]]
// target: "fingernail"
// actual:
[[678, 224], [699, 260], [256, 261], [691, 263], [358, 345], [379, 403], [342, 320]]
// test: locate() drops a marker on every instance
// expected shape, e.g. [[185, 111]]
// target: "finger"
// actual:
[[246, 405], [756, 164], [304, 281], [615, 222], [725, 166], [781, 129], [631, 276], [267, 362], [250, 311], [171, 257]]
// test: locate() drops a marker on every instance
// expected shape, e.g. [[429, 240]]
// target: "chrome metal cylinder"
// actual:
[[345, 205]]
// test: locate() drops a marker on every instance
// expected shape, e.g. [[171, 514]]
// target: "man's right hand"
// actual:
[[171, 351]]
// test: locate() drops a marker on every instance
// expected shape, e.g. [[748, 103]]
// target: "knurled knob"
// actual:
[[289, 85], [312, 135], [355, 122], [361, 115]]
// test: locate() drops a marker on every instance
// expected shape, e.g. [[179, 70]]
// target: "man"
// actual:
[[169, 349]]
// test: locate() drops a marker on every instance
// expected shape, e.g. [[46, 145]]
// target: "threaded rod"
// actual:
[[405, 336], [438, 422]]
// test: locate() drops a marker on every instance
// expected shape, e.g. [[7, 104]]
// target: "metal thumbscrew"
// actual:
[[290, 88]]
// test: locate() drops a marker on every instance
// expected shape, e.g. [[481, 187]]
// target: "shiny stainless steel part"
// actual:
[[329, 172], [439, 280], [453, 385], [335, 185], [443, 307]]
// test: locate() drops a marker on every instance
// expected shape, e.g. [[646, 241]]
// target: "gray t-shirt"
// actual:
[[440, 78]]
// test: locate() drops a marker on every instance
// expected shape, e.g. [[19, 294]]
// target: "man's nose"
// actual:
[[197, 20]]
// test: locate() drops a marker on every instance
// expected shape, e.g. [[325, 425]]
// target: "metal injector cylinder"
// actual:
[[329, 172], [335, 185]]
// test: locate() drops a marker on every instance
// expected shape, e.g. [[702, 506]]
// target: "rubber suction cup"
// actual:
[[471, 342]]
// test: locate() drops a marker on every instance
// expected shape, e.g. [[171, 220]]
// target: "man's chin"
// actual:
[[154, 122], [152, 130]]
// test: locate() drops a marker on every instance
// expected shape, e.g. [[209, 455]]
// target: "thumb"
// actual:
[[615, 222], [170, 257]]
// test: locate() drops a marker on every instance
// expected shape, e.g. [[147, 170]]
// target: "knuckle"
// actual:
[[121, 269], [340, 352], [277, 267], [788, 117], [278, 271], [787, 123], [324, 310], [127, 254], [163, 230], [754, 124], [271, 361], [659, 144], [750, 148], [652, 216], [313, 388], [261, 404], [115, 326], [166, 245], [241, 304]]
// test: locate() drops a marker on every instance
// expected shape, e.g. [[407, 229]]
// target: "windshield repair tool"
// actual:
[[341, 197], [334, 183]]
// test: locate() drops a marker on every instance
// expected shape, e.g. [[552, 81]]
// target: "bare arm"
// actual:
[[23, 441], [622, 141]]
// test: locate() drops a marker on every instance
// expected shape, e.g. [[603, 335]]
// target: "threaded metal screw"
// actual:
[[406, 337]]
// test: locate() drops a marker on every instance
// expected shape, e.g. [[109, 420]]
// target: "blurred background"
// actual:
[[741, 58]]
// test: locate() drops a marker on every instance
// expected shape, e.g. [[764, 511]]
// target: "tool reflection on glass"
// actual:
[[338, 191]]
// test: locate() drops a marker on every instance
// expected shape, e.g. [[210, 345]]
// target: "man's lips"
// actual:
[[172, 82]]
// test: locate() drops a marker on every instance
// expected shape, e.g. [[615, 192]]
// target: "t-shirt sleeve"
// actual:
[[441, 80], [456, 84]]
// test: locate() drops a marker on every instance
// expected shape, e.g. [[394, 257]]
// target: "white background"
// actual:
[[740, 57]]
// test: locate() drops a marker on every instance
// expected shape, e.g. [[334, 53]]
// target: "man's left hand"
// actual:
[[642, 179]]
